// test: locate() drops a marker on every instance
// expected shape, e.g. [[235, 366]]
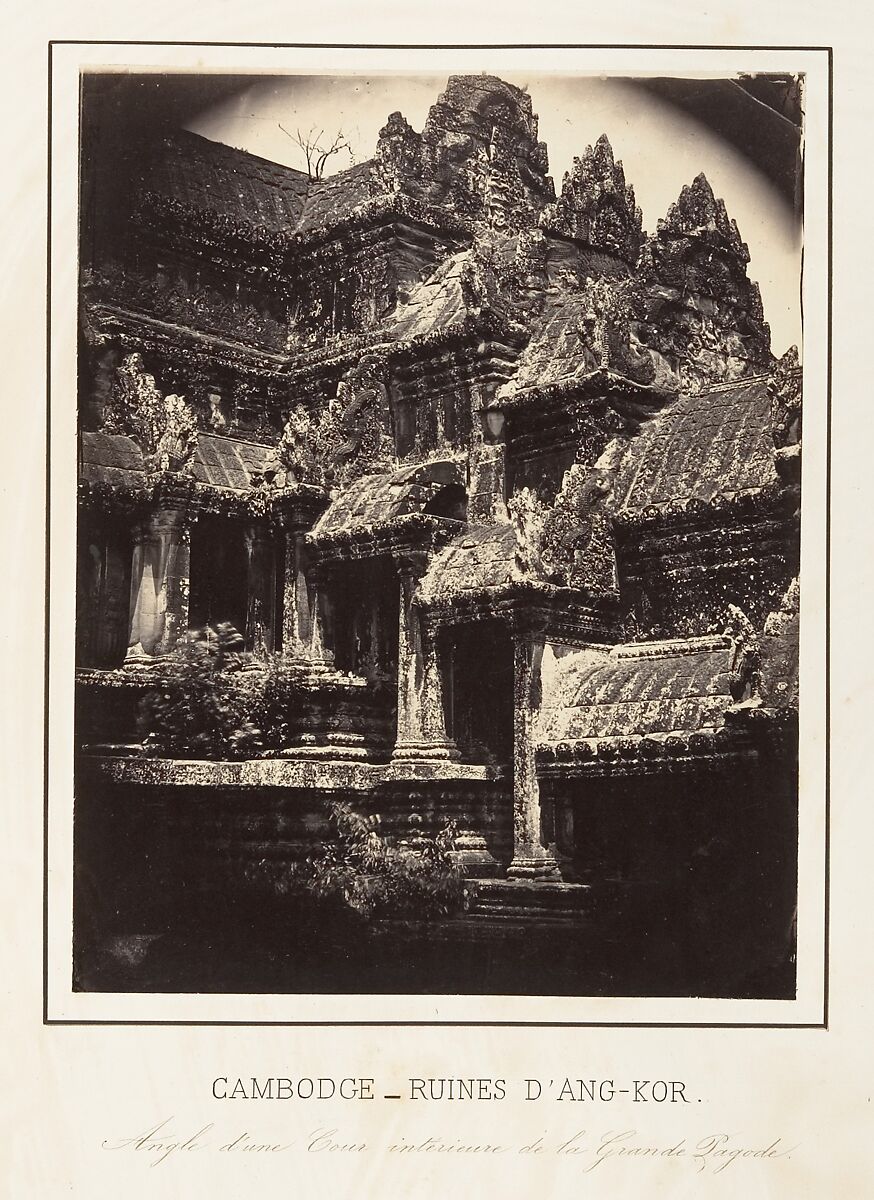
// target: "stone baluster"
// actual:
[[531, 860], [410, 730], [437, 741], [159, 584]]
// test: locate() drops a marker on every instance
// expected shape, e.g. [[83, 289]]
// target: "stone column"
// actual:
[[488, 465], [376, 636], [296, 616], [322, 620], [410, 730], [159, 584], [261, 590], [530, 858], [302, 635], [421, 731], [437, 741]]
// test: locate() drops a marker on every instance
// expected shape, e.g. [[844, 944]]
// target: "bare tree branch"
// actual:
[[316, 150]]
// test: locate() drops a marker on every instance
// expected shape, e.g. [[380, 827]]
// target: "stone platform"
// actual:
[[523, 901]]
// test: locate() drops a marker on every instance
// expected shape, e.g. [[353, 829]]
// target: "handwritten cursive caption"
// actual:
[[596, 1150]]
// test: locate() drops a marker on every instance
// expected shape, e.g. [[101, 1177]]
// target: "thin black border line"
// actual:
[[430, 45], [436, 1024], [824, 1024], [828, 556], [48, 484]]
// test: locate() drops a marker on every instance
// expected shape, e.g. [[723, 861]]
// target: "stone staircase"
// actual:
[[522, 901]]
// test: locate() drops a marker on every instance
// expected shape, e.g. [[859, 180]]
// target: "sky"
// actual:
[[661, 147]]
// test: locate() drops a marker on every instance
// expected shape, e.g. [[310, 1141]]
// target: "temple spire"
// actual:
[[698, 213], [708, 325], [597, 206]]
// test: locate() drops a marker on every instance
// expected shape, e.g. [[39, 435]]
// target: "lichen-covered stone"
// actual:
[[597, 207], [513, 484]]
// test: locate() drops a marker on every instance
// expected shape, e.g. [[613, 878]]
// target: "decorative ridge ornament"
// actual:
[[784, 389], [605, 330], [164, 427], [570, 542]]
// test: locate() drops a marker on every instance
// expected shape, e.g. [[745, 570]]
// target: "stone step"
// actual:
[[516, 899]]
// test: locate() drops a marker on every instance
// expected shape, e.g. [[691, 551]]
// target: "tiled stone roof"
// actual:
[[330, 199], [211, 176], [715, 443], [110, 458], [226, 462], [637, 689], [483, 556], [380, 498], [434, 304], [114, 459], [556, 353]]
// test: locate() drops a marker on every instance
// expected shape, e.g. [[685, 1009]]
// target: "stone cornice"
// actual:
[[287, 507], [216, 233], [139, 331], [407, 534], [598, 384], [696, 513], [680, 752], [561, 613]]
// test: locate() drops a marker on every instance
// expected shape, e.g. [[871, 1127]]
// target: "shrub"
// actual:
[[418, 879], [362, 873], [203, 707]]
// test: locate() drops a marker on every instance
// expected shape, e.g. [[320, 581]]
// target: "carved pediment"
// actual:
[[596, 206]]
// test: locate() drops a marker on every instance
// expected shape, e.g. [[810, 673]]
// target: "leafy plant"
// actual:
[[376, 878], [363, 873], [204, 704]]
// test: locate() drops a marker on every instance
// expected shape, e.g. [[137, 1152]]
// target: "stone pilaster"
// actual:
[[322, 621], [421, 728], [487, 484], [159, 584], [488, 463], [261, 605], [302, 622], [296, 615], [531, 860]]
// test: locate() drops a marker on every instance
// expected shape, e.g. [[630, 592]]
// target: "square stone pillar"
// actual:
[[302, 617], [531, 859], [159, 584], [421, 729], [487, 463], [296, 614], [261, 589]]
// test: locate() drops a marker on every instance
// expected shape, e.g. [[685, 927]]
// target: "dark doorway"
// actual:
[[103, 594], [219, 574], [480, 691], [360, 608]]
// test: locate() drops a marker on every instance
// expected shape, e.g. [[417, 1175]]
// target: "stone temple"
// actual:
[[506, 485]]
